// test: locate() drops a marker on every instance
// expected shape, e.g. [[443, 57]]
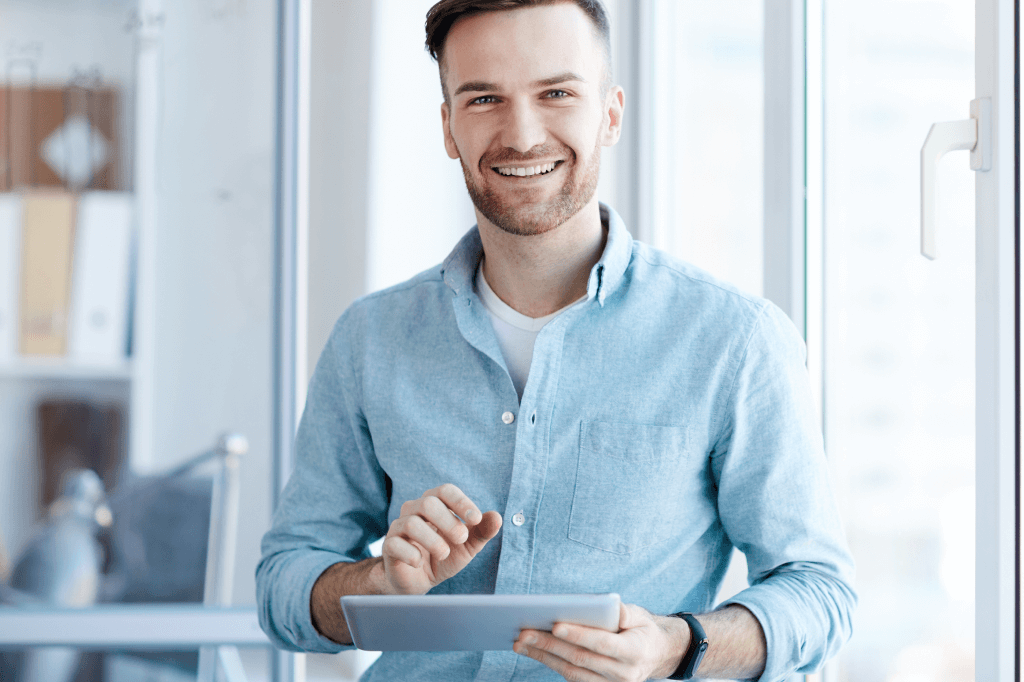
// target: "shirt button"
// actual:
[[508, 417], [518, 518]]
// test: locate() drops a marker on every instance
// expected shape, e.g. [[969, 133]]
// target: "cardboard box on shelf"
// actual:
[[65, 137]]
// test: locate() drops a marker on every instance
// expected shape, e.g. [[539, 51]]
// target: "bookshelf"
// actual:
[[71, 77], [65, 369]]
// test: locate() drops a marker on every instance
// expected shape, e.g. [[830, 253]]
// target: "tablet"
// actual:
[[468, 622]]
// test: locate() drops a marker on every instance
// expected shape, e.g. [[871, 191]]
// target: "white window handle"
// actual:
[[974, 134]]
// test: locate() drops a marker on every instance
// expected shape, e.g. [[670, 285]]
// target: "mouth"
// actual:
[[527, 171]]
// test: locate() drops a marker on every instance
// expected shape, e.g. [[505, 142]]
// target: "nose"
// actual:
[[524, 129]]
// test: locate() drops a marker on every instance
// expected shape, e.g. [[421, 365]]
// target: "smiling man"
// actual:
[[557, 408]]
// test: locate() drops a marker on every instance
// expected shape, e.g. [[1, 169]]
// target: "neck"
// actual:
[[539, 274]]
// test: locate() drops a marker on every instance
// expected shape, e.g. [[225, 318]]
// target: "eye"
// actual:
[[486, 99], [556, 94]]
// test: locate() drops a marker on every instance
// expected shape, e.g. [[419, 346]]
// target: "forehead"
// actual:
[[522, 44]]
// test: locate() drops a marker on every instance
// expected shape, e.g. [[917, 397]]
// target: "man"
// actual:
[[557, 408]]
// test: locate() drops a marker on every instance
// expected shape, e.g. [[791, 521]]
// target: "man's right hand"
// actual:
[[425, 546], [435, 537]]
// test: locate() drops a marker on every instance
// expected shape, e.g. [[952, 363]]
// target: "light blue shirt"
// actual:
[[666, 419]]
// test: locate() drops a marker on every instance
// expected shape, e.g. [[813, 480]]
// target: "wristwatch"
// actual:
[[695, 652]]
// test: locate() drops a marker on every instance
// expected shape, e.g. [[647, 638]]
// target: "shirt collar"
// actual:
[[459, 268]]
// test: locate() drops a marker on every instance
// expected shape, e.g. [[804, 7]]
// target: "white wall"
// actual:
[[68, 36], [338, 160], [212, 354], [419, 207]]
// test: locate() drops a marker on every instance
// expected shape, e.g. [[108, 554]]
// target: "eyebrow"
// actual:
[[483, 86]]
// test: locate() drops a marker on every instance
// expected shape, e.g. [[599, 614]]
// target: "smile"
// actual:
[[527, 171]]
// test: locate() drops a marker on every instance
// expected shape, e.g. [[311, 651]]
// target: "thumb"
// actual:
[[482, 532]]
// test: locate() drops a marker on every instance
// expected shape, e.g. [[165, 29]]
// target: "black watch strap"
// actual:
[[695, 652]]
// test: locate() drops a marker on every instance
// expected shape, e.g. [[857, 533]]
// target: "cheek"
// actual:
[[579, 133], [472, 137]]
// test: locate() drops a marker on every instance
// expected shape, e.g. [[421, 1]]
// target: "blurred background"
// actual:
[[137, 280]]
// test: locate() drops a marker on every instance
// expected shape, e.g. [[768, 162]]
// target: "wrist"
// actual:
[[677, 636], [377, 578], [695, 650]]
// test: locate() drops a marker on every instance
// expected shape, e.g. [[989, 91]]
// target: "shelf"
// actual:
[[64, 368]]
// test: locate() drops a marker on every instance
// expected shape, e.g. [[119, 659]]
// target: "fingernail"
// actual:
[[529, 639]]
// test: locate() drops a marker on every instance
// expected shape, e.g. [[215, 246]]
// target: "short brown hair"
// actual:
[[443, 15]]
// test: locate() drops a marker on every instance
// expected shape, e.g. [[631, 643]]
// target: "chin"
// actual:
[[533, 219]]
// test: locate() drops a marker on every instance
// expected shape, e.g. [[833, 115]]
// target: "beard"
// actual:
[[526, 219]]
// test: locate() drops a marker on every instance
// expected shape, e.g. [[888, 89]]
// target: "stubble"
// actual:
[[535, 218]]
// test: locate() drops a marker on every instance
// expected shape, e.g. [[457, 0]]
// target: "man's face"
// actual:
[[526, 117]]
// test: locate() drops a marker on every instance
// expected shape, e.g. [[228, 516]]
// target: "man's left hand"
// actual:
[[646, 646]]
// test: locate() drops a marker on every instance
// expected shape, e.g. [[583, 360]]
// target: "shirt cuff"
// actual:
[[294, 594], [781, 660]]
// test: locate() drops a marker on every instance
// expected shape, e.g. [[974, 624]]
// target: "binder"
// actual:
[[10, 262], [48, 228], [98, 329]]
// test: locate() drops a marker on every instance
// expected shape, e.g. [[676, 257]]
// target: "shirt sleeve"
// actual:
[[776, 504], [334, 505]]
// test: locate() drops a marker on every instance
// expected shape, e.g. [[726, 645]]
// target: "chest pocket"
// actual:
[[631, 480]]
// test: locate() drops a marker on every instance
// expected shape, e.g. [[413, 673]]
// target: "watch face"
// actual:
[[698, 656]]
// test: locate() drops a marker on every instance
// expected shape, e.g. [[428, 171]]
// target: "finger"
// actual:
[[566, 669], [398, 548], [481, 533], [416, 530], [594, 639], [458, 502], [441, 517], [573, 655]]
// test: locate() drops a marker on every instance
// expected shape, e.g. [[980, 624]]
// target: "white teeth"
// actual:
[[527, 170]]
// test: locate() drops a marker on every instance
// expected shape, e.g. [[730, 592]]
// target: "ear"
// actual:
[[611, 126], [446, 124]]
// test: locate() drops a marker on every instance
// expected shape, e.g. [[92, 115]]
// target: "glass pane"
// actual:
[[137, 164], [708, 96], [900, 335], [708, 126]]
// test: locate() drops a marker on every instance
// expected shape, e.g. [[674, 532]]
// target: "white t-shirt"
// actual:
[[516, 332]]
